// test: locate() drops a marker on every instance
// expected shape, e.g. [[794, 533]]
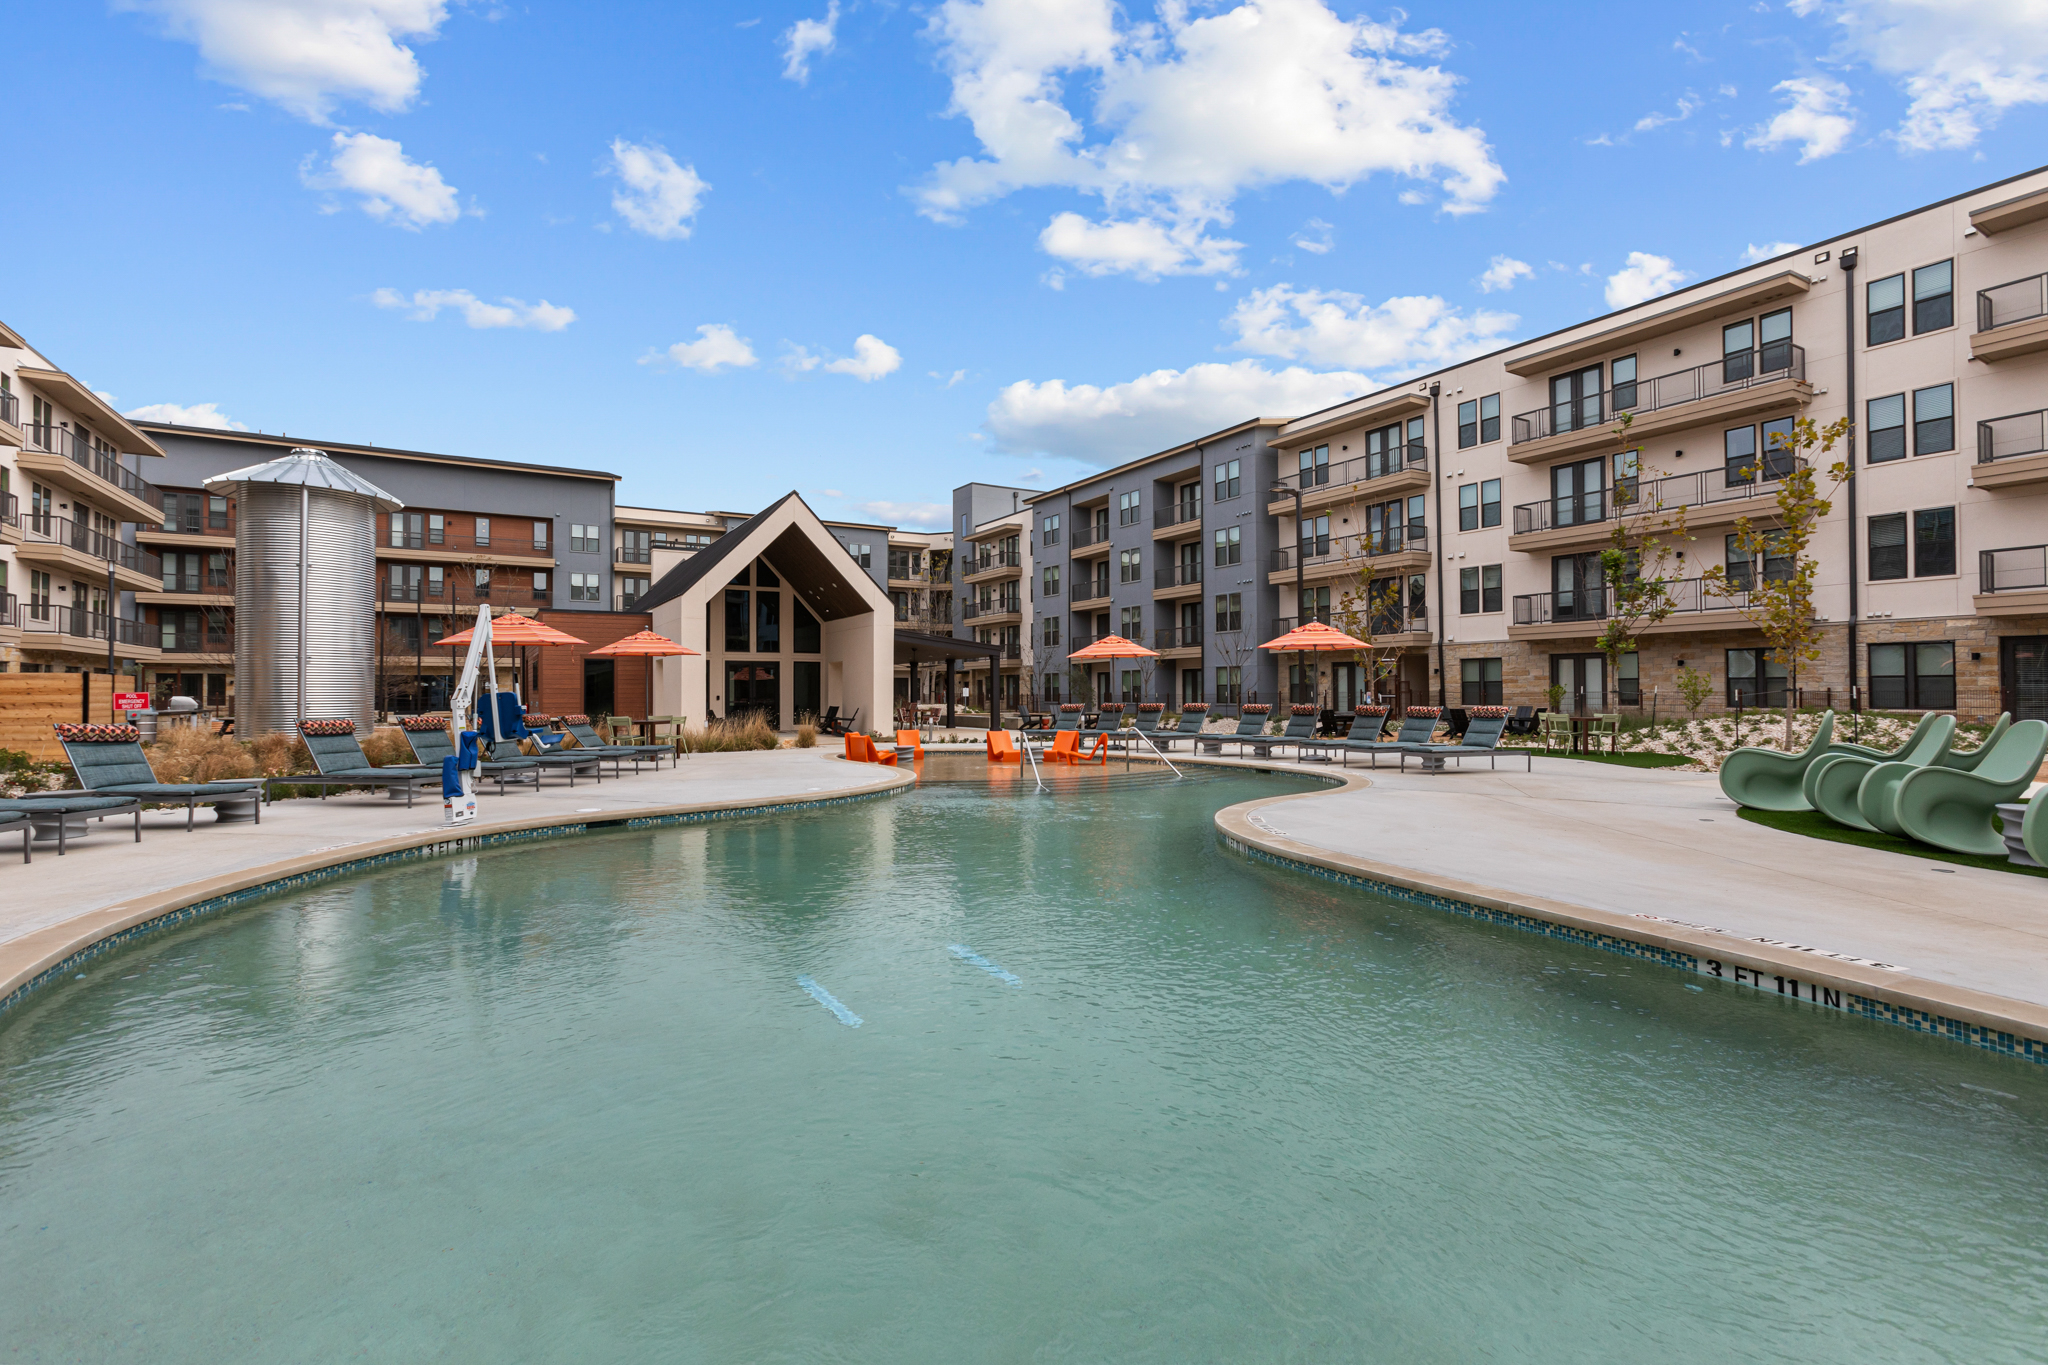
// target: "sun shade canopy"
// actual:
[[1314, 637], [1114, 647], [514, 629], [644, 645]]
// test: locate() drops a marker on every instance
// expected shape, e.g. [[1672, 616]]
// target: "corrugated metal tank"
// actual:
[[340, 616]]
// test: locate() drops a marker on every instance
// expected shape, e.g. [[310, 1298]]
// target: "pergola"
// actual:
[[914, 647]]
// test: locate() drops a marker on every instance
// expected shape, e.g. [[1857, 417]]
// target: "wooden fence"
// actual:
[[31, 703]]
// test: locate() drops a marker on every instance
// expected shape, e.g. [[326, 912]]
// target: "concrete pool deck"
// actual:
[[54, 908]]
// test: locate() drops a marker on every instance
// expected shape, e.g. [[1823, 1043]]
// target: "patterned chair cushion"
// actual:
[[1371, 711], [1424, 711], [1303, 710], [1487, 712], [574, 720], [1151, 706], [98, 734], [1257, 708], [1196, 706], [327, 727], [423, 724]]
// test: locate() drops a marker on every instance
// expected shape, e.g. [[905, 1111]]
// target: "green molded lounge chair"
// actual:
[[341, 762], [636, 754], [1834, 782], [1958, 811], [432, 743], [2034, 829], [1251, 722], [1368, 723], [1418, 723], [109, 762], [1769, 779], [1301, 728], [1887, 755], [1877, 798], [1482, 736], [1193, 716], [1967, 760], [25, 810]]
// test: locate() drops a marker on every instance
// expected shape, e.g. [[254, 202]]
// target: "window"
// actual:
[[583, 539], [585, 587], [1489, 503], [736, 637], [1628, 680], [1479, 418], [1776, 445], [1131, 623], [863, 555], [1934, 542], [1130, 566], [1934, 419], [1229, 686], [1754, 680], [1190, 685], [1885, 310], [483, 531], [1468, 423], [1738, 456], [1314, 606], [1229, 611], [1315, 536], [1479, 589], [216, 513], [1774, 341], [1468, 591], [1738, 339], [1480, 684], [1049, 582], [435, 580], [767, 623], [1049, 633], [540, 535], [1228, 484], [1128, 507], [1888, 546], [1051, 530], [1315, 467], [1917, 677], [1230, 546], [810, 636], [1934, 297], [631, 590], [1887, 428], [1468, 507], [540, 583], [1489, 587], [1489, 418]]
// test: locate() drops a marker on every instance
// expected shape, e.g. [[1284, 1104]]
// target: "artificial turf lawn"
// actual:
[[1814, 825], [1623, 760]]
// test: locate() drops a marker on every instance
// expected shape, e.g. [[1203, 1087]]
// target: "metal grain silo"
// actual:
[[305, 592]]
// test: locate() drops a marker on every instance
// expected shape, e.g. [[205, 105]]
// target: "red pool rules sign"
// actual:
[[131, 701]]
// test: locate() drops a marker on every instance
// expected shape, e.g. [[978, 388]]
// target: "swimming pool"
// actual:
[[570, 1102]]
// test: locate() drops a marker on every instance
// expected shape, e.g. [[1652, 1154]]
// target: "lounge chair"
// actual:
[[1958, 811], [1877, 799], [1522, 722], [1367, 724], [1251, 723], [1484, 726], [1146, 722], [1109, 718], [1193, 715], [1001, 749], [1770, 779], [909, 739], [2034, 829], [35, 814], [1301, 729], [1066, 748], [579, 729], [432, 743], [1069, 718], [1418, 723], [861, 749], [341, 762], [571, 762], [830, 724], [109, 762], [1833, 783]]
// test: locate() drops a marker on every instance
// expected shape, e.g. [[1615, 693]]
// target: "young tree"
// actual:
[[1777, 597], [1639, 550], [1694, 687], [1365, 611]]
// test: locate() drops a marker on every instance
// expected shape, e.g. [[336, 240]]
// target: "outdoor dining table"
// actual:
[[1583, 740]]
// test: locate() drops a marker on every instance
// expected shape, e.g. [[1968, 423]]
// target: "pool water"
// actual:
[[568, 1101]]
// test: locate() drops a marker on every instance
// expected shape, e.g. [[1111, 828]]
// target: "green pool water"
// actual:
[[568, 1102]]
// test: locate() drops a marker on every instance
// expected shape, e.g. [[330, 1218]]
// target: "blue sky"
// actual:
[[873, 250]]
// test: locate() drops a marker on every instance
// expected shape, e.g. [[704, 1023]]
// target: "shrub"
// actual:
[[20, 773], [807, 732], [186, 753], [732, 736], [386, 747], [280, 755]]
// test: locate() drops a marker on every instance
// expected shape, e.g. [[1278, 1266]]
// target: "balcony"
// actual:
[[10, 519], [1178, 519], [1087, 590], [49, 627], [69, 457], [2012, 320], [1379, 474], [449, 545], [1178, 580], [1711, 497], [2012, 582], [992, 564], [631, 554], [1549, 615], [1736, 385], [2012, 451], [1397, 550], [10, 613], [10, 409], [184, 639], [81, 550], [1390, 628], [995, 606], [1177, 640], [1088, 540]]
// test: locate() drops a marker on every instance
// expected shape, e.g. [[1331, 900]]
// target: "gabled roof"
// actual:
[[817, 566]]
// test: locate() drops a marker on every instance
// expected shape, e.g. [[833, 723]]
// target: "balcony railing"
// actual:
[[40, 527], [1181, 575], [2025, 566], [1089, 590], [1632, 497], [1084, 536], [1687, 595], [9, 609], [1176, 637], [213, 581], [10, 409], [203, 639], [632, 554], [1176, 513], [1375, 464], [1322, 550], [995, 559], [449, 540], [995, 606], [73, 446], [1392, 621], [40, 618], [2004, 304], [1740, 370], [2005, 438]]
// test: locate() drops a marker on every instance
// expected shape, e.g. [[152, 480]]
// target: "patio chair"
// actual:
[[37, 814], [109, 762], [1557, 730], [1522, 722], [1966, 760], [1066, 748], [430, 742], [1109, 718], [1833, 783], [1958, 811], [830, 724], [570, 762], [2034, 830], [1483, 729], [909, 739], [1418, 723], [1769, 779], [1607, 725], [1001, 749], [1149, 715], [1069, 718], [1368, 723], [579, 730], [1301, 729], [1193, 715], [1251, 722]]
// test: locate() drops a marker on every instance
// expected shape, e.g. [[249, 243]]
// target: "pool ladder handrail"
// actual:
[[1177, 773], [1024, 743]]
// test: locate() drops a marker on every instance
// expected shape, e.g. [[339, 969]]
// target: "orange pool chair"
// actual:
[[1001, 749], [1066, 748], [907, 739], [861, 749]]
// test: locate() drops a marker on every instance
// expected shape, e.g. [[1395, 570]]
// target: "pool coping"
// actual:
[[1828, 982], [43, 955]]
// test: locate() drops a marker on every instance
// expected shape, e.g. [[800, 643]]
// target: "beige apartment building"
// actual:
[[1488, 489], [995, 567], [71, 496]]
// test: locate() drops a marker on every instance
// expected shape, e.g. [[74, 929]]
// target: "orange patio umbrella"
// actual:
[[1113, 647], [514, 629], [643, 645], [1314, 637]]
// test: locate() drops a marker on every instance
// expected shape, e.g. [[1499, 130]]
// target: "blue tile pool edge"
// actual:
[[2006, 1044], [439, 848]]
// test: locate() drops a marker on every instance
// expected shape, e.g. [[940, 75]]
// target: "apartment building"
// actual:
[[992, 603], [649, 541], [1930, 329], [72, 494]]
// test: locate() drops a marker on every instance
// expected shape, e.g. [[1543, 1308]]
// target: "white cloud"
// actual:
[[805, 39], [1503, 273], [392, 188], [1963, 63], [1105, 425], [1765, 251], [1644, 277], [1309, 96], [1816, 115], [871, 359], [716, 348], [197, 415], [655, 195], [1320, 244], [956, 377], [918, 516], [426, 305], [1327, 327], [306, 56], [1688, 105]]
